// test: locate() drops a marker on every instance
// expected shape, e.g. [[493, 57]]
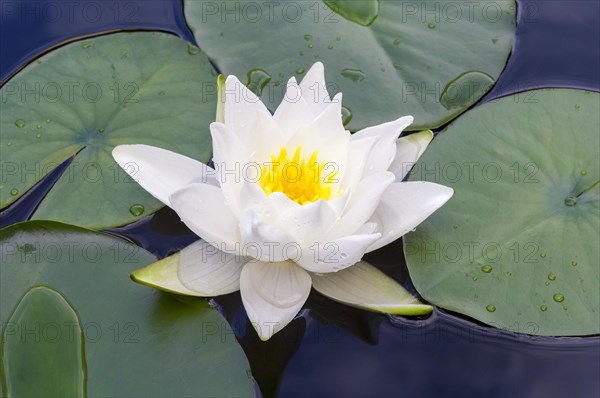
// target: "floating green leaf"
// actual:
[[138, 341], [42, 348], [517, 245], [429, 59], [88, 96]]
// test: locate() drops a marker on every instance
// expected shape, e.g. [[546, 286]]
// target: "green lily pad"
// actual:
[[138, 341], [83, 99], [517, 245], [429, 59], [38, 361]]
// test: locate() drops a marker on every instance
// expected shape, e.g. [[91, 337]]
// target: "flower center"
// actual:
[[303, 181]]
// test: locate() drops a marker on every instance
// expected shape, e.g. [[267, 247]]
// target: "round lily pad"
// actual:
[[517, 245], [81, 100], [68, 289], [429, 59]]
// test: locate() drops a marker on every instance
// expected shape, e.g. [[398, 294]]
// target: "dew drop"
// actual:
[[192, 50], [161, 93], [301, 53], [455, 95], [346, 115], [547, 283], [475, 278], [88, 57], [101, 130], [38, 62], [307, 37], [257, 80], [87, 45], [338, 38], [360, 12], [487, 269], [38, 135], [9, 143], [311, 45], [570, 201], [38, 126], [577, 106], [300, 71], [355, 75], [330, 46], [20, 123], [48, 120], [14, 192], [543, 255], [136, 210], [583, 172], [491, 308], [559, 298], [431, 25], [397, 66], [551, 277], [543, 308], [574, 263], [397, 41]]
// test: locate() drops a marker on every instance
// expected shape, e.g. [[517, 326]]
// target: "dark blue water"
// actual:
[[333, 350]]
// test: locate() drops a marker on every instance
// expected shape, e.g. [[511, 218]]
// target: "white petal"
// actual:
[[364, 286], [272, 294], [161, 172], [384, 150], [363, 202], [267, 208], [265, 241], [335, 255], [204, 210], [327, 135], [207, 271], [268, 139], [358, 152], [309, 222], [228, 154], [293, 112], [241, 108], [408, 150], [314, 89], [405, 205]]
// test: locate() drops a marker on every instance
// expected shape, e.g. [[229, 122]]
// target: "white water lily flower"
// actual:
[[293, 199]]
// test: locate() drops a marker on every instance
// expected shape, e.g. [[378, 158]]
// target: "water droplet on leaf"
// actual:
[[192, 50], [354, 74], [491, 308], [431, 25], [136, 210], [551, 277], [346, 115], [487, 269], [20, 123], [465, 89], [559, 298], [257, 80], [571, 201], [543, 308], [14, 192]]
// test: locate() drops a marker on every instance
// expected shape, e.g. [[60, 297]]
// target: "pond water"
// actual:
[[333, 350]]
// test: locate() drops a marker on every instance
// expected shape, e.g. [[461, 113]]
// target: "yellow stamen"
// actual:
[[300, 180]]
